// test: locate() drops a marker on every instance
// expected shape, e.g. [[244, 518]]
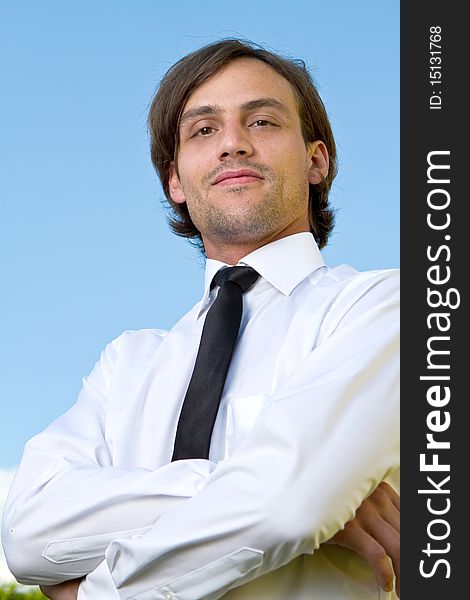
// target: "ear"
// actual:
[[319, 162], [174, 184]]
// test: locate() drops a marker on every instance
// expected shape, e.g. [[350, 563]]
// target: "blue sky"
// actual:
[[85, 250]]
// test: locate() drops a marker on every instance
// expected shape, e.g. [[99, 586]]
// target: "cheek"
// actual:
[[191, 173], [292, 167], [291, 156]]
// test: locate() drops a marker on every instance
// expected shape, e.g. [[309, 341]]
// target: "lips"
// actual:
[[237, 177]]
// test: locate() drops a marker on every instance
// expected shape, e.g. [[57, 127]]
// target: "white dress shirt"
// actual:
[[307, 428]]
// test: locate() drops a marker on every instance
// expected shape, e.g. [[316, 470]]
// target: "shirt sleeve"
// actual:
[[322, 444], [68, 502]]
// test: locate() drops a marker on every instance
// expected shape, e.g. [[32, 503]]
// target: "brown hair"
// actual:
[[186, 75]]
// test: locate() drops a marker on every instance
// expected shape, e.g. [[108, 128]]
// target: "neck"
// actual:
[[231, 253]]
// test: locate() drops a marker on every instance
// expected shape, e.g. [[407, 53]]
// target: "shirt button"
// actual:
[[169, 596]]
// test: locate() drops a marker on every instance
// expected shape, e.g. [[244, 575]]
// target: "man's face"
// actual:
[[243, 166]]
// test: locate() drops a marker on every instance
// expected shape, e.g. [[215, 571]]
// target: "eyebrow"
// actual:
[[213, 109]]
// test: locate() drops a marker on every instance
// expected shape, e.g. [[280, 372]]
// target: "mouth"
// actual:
[[239, 177]]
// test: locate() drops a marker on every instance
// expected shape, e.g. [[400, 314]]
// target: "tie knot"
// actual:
[[244, 277]]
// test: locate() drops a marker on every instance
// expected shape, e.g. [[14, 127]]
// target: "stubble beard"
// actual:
[[239, 221]]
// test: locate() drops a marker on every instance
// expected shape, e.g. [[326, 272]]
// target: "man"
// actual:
[[111, 497]]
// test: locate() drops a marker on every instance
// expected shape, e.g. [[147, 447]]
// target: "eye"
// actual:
[[204, 131], [262, 123]]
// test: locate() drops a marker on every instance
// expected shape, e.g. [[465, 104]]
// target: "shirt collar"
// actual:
[[283, 263]]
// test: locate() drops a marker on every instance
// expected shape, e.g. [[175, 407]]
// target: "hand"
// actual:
[[374, 534], [68, 590]]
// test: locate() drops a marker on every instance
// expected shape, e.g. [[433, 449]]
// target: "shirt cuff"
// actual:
[[98, 584]]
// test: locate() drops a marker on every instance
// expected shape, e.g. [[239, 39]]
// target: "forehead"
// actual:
[[242, 80]]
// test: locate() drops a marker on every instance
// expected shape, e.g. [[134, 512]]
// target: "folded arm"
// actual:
[[68, 502], [374, 534], [322, 444]]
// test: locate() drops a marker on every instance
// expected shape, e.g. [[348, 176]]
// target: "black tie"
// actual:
[[219, 335]]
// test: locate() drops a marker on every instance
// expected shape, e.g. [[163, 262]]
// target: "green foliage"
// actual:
[[12, 591]]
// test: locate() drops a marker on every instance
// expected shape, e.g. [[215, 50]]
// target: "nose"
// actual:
[[234, 142]]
